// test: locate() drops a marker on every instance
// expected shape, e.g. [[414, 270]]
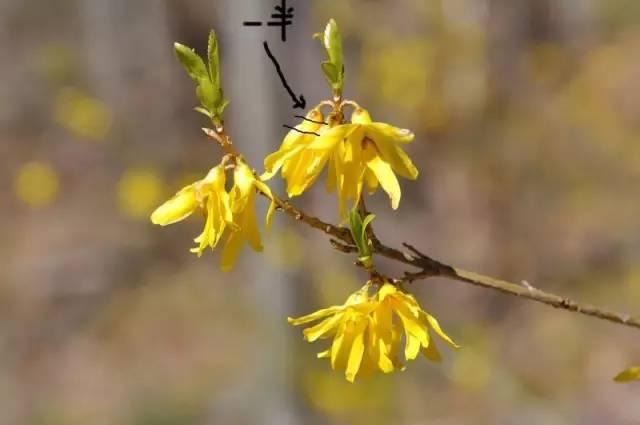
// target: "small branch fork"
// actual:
[[427, 267]]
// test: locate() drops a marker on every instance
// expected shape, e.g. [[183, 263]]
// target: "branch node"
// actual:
[[528, 285]]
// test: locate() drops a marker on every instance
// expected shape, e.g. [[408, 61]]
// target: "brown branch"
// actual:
[[429, 267]]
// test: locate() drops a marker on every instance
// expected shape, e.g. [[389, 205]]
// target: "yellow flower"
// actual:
[[347, 324], [360, 153], [209, 195], [369, 153], [243, 195], [367, 331], [300, 166], [234, 211], [400, 311]]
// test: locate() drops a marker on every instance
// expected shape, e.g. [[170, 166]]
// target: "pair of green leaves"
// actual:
[[333, 68], [358, 227], [208, 85]]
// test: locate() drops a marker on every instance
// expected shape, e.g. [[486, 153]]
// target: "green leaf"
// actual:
[[221, 107], [331, 74], [333, 69], [192, 63], [358, 228], [207, 94], [355, 226], [203, 111], [214, 61], [367, 220], [208, 86], [631, 374], [333, 43]]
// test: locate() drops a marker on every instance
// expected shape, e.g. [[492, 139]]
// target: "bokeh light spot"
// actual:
[[82, 115], [36, 184], [139, 192]]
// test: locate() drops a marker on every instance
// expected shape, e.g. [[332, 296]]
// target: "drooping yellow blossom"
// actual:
[[209, 195], [400, 310], [360, 153], [242, 199], [234, 211], [348, 325], [367, 331], [300, 165]]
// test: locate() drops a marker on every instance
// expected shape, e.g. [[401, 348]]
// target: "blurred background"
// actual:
[[527, 116]]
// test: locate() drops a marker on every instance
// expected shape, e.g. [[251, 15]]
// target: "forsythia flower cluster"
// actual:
[[361, 153], [367, 331]]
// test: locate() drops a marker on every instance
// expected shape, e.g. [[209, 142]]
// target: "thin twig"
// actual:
[[430, 267]]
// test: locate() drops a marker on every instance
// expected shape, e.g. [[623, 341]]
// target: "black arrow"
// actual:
[[297, 102]]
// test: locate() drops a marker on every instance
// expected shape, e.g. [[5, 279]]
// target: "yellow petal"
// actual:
[[243, 186], [631, 374], [331, 175], [307, 168], [386, 290], [322, 329], [250, 224], [411, 324], [361, 116], [433, 323], [376, 347], [371, 181], [331, 137], [397, 135], [293, 142], [412, 347], [311, 124], [230, 251], [387, 179], [177, 208], [394, 348], [397, 158], [274, 161], [215, 179], [213, 228], [316, 315], [272, 206], [324, 354], [431, 352], [356, 353], [337, 345]]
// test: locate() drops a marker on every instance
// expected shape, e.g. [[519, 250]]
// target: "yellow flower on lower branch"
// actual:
[[234, 211], [367, 331]]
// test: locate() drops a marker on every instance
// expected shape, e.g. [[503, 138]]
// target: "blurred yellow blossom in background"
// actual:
[[82, 115], [139, 191], [36, 184]]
